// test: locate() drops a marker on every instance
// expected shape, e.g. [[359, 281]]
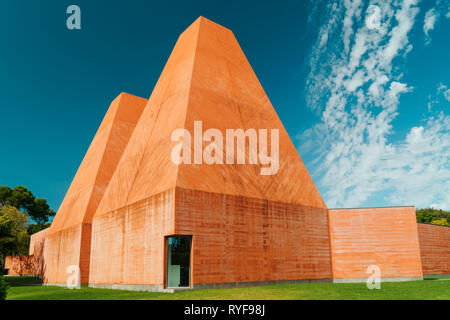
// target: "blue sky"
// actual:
[[368, 108]]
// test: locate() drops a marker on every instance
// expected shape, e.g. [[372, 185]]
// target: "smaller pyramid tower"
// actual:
[[68, 240]]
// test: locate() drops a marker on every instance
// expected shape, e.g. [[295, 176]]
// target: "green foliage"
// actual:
[[18, 218], [5, 194], [40, 211], [6, 235], [23, 199], [22, 243], [433, 216], [16, 235], [440, 222], [3, 288], [16, 206], [6, 226]]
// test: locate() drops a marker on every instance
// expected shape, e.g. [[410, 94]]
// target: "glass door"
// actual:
[[178, 261]]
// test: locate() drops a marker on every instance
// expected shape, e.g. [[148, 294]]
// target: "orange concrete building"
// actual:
[[236, 224], [134, 218]]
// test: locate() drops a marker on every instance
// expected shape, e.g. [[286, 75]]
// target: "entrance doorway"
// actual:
[[178, 261]]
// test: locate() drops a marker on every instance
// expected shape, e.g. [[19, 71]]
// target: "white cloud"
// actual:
[[375, 88], [420, 168], [440, 97], [444, 90], [356, 86], [447, 94], [432, 17], [353, 12], [399, 34], [428, 25]]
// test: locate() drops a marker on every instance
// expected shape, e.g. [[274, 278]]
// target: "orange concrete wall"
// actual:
[[386, 237], [20, 265], [434, 248], [37, 242], [62, 249], [239, 239], [128, 244], [235, 239]]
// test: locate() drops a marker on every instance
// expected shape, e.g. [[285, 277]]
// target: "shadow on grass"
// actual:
[[20, 281]]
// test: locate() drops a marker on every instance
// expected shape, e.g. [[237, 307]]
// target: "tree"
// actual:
[[40, 211], [3, 288], [14, 237], [5, 194], [428, 215], [6, 239], [16, 205], [23, 199], [36, 227], [440, 222], [22, 242], [6, 232], [18, 218]]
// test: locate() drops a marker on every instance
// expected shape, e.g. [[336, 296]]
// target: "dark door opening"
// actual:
[[178, 261]]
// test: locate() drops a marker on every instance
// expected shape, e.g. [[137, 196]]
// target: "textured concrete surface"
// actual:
[[20, 265], [37, 242], [207, 78], [241, 239], [69, 236], [128, 244], [386, 237], [234, 239], [434, 249]]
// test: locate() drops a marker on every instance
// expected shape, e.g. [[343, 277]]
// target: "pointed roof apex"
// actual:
[[202, 22], [206, 20]]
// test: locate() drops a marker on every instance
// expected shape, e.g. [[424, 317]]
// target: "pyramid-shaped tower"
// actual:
[[242, 226], [68, 239]]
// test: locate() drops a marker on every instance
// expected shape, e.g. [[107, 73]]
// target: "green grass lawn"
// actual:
[[429, 289]]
